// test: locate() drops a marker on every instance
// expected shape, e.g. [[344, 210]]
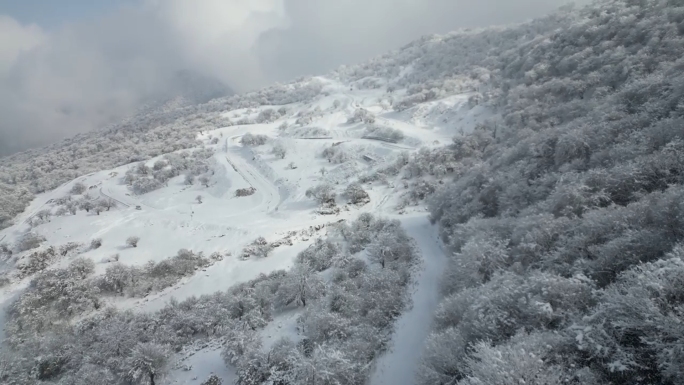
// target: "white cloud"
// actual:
[[90, 74], [16, 39], [324, 34]]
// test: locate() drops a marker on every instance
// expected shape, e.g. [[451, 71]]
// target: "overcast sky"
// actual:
[[70, 66]]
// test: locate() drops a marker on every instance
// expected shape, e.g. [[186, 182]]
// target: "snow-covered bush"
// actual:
[[36, 262], [78, 188], [279, 150], [268, 115], [386, 134], [29, 241], [53, 295], [132, 241], [143, 179], [213, 380], [337, 154], [259, 248], [306, 132], [95, 243], [44, 215], [324, 194], [244, 192], [120, 279], [362, 115], [356, 194], [251, 140], [321, 255]]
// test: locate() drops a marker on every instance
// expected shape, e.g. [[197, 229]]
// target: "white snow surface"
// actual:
[[170, 219]]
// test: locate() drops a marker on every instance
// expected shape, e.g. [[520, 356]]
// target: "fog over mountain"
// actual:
[[91, 73]]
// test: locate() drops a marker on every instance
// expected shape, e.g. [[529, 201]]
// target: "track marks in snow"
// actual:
[[399, 364]]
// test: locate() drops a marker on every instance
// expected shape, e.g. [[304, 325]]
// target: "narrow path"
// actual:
[[114, 199], [398, 366], [256, 179]]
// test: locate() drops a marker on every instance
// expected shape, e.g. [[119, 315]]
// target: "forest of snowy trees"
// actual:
[[345, 316], [567, 229]]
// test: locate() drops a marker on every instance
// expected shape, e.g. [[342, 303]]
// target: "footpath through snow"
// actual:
[[398, 365]]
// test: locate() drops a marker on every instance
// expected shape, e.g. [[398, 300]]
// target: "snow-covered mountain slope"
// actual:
[[549, 154], [279, 153]]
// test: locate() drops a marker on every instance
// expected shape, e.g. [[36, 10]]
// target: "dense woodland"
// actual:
[[567, 230], [348, 290], [563, 215]]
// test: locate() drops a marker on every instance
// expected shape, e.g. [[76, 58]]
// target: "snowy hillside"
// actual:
[[498, 206], [276, 173]]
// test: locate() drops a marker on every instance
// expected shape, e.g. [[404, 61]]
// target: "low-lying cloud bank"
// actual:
[[91, 74]]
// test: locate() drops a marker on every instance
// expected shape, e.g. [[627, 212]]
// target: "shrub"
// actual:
[[243, 192], [362, 115], [132, 241], [250, 140], [336, 154], [96, 243], [356, 194], [386, 134], [28, 241], [259, 248], [323, 194], [279, 150], [78, 188]]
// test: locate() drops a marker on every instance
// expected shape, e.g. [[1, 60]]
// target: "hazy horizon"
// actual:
[[77, 67]]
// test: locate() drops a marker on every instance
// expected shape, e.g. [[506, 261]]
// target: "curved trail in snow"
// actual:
[[112, 198], [271, 195], [398, 366]]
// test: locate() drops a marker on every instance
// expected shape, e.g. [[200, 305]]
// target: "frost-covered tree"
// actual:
[[300, 287], [389, 247], [86, 204], [323, 194], [146, 363], [109, 203], [279, 150], [78, 188], [356, 194]]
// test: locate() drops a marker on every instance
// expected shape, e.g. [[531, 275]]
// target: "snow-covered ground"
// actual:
[[170, 218], [398, 365]]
